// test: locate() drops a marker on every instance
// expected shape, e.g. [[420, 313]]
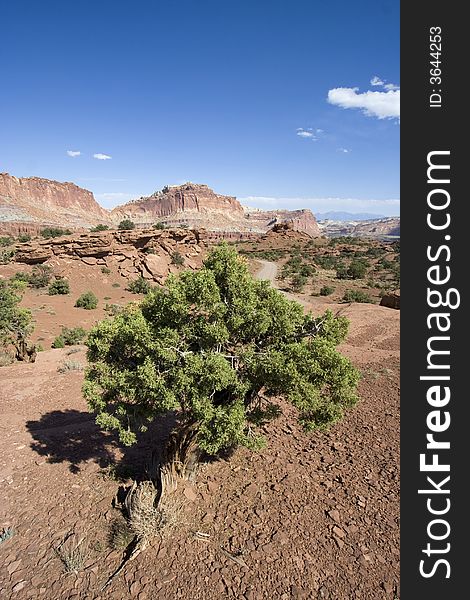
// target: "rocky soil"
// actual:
[[311, 516]]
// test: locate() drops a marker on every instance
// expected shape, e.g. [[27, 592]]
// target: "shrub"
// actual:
[[53, 232], [116, 285], [113, 309], [6, 255], [59, 287], [24, 237], [58, 342], [15, 322], [177, 259], [326, 290], [87, 300], [139, 286], [356, 296], [69, 337], [105, 270], [40, 276], [159, 226], [99, 227], [206, 344], [70, 365], [298, 282], [126, 224], [5, 241]]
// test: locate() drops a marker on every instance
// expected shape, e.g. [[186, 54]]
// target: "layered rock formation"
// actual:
[[375, 228], [148, 253], [30, 203]]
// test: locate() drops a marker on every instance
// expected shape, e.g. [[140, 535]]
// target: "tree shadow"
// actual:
[[72, 436]]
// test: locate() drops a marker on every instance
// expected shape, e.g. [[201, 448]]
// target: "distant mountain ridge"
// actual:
[[29, 204], [338, 215]]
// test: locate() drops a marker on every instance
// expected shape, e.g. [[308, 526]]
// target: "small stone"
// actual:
[[338, 531], [12, 567], [334, 514], [190, 494], [19, 586]]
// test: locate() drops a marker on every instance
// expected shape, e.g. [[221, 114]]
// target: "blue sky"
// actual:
[[282, 103]]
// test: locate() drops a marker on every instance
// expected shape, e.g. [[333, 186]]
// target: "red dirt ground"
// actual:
[[311, 516]]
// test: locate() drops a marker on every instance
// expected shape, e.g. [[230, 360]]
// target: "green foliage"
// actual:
[[6, 255], [159, 226], [209, 344], [116, 285], [326, 262], [126, 224], [58, 342], [99, 227], [24, 237], [356, 296], [105, 270], [69, 337], [15, 322], [177, 259], [59, 287], [5, 240], [40, 276], [326, 290], [356, 269], [298, 282], [87, 300], [139, 286], [53, 232]]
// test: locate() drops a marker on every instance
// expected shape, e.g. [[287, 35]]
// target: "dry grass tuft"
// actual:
[[73, 553]]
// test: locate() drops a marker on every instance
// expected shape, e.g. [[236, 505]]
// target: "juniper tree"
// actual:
[[218, 347], [15, 323]]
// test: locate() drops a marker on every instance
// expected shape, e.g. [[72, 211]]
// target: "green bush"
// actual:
[[126, 224], [206, 344], [24, 237], [40, 276], [159, 226], [5, 241], [16, 323], [58, 342], [116, 285], [139, 286], [99, 227], [53, 232], [298, 282], [105, 270], [88, 301], [69, 337], [326, 290], [356, 296], [6, 255], [177, 259], [59, 287]]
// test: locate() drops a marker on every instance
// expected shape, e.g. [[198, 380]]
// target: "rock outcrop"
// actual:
[[148, 253], [391, 300], [374, 228], [30, 203]]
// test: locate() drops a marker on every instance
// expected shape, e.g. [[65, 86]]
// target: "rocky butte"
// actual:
[[29, 204]]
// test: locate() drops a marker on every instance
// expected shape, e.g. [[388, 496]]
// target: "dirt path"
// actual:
[[268, 271]]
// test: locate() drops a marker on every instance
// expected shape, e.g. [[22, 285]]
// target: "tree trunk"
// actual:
[[180, 458], [23, 353]]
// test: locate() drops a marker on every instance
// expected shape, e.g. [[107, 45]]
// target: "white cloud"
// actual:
[[388, 207], [73, 153], [303, 133], [383, 105], [344, 150], [309, 132], [100, 156], [391, 86], [376, 81]]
